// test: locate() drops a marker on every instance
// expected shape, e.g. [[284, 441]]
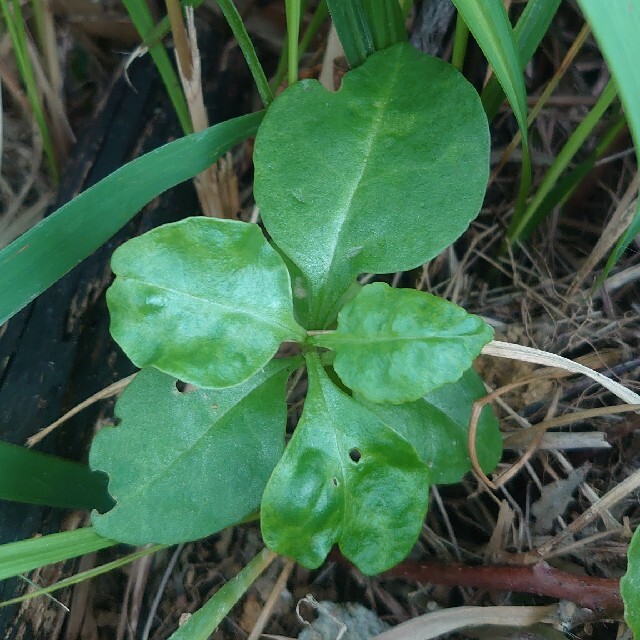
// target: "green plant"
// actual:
[[377, 178], [209, 302]]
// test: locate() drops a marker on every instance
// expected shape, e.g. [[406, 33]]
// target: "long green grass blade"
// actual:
[[15, 23], [489, 23], [234, 20], [141, 17], [528, 33], [317, 20], [41, 256], [24, 556], [353, 30], [85, 575], [205, 621], [531, 218], [293, 10], [37, 478], [386, 22], [616, 26]]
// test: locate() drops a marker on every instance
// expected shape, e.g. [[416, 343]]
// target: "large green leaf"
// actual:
[[37, 478], [184, 465], [616, 26], [206, 300], [395, 345], [630, 585], [438, 425], [24, 556], [378, 177], [40, 257], [347, 477]]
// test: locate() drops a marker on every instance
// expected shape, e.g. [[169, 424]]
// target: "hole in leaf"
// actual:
[[355, 455], [335, 482], [184, 387]]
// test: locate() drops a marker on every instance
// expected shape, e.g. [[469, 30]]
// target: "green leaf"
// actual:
[[40, 257], [489, 23], [353, 30], [347, 477], [26, 555], [234, 19], [386, 22], [184, 465], [616, 26], [395, 345], [206, 300], [528, 33], [38, 478], [204, 622], [630, 585], [438, 425], [333, 170], [140, 15]]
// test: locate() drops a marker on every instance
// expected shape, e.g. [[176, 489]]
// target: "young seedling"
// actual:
[[378, 177]]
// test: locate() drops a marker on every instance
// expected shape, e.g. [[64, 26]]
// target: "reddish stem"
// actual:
[[597, 594]]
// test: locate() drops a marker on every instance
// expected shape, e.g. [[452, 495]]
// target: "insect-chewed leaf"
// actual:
[[346, 476], [438, 425], [333, 170], [205, 300], [184, 465], [396, 345]]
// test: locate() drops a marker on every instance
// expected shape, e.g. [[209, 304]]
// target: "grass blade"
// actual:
[[616, 25], [162, 28], [461, 37], [386, 22], [528, 33], [489, 23], [15, 26], [85, 575], [205, 621], [40, 257], [24, 556], [37, 478], [143, 22], [531, 218], [353, 30], [234, 20], [293, 35]]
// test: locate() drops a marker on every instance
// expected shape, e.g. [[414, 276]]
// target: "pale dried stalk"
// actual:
[[536, 356], [267, 610], [438, 623], [217, 186], [107, 392], [620, 220]]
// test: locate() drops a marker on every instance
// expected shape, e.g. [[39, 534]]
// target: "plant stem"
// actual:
[[179, 31], [600, 594], [460, 43], [293, 35]]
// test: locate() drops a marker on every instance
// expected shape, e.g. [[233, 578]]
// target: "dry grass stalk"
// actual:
[[438, 623], [107, 392], [620, 220], [217, 186]]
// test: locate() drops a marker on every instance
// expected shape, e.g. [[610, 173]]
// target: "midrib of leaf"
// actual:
[[344, 212], [316, 369], [329, 339], [260, 319]]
